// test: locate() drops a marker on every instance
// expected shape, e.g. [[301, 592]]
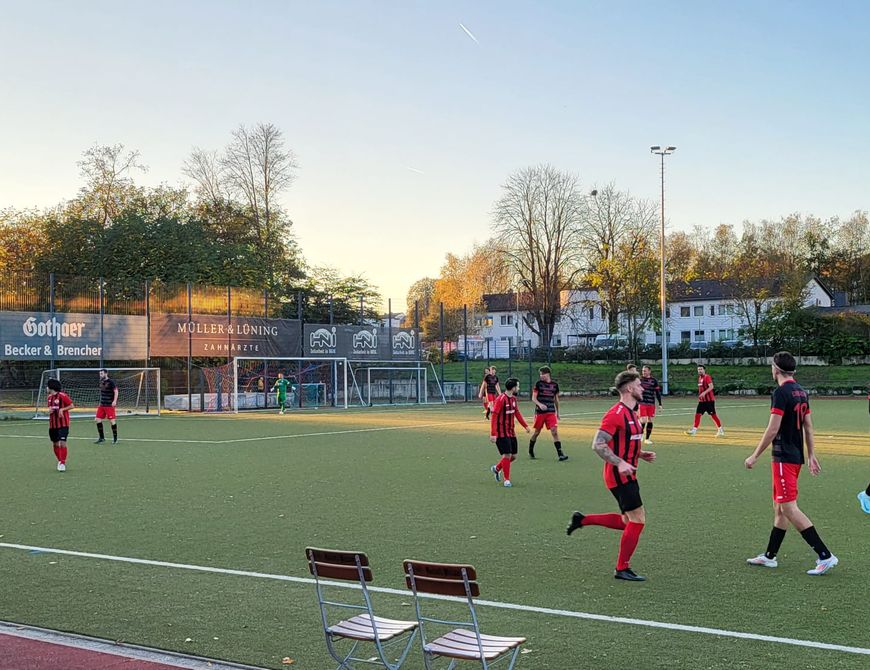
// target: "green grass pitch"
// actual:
[[249, 492]]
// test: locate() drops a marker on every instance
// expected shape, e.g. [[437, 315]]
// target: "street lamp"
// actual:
[[663, 151]]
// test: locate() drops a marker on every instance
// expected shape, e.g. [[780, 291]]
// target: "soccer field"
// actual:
[[250, 492]]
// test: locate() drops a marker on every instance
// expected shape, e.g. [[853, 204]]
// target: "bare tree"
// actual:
[[616, 227], [106, 170], [204, 168], [537, 225]]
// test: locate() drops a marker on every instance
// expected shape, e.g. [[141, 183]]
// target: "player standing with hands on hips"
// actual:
[[545, 397]]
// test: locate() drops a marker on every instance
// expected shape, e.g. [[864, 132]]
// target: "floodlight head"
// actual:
[[655, 148], [593, 192], [671, 149]]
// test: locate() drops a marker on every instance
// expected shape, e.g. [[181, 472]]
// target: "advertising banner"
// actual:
[[360, 343], [30, 336], [213, 336]]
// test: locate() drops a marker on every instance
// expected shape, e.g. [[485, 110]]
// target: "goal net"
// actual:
[[249, 383], [138, 390], [395, 383]]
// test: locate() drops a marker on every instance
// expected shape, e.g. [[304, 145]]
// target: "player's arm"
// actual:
[[115, 397], [556, 402], [535, 399], [770, 433], [601, 447], [707, 390], [659, 394], [497, 408], [481, 389], [497, 388], [810, 439]]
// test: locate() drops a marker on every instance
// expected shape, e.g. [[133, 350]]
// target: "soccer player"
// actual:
[[281, 386], [652, 392], [545, 397], [864, 496], [706, 403], [790, 425], [59, 406], [618, 443], [504, 410], [489, 390], [106, 410]]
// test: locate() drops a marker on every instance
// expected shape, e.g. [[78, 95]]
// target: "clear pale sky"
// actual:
[[767, 102]]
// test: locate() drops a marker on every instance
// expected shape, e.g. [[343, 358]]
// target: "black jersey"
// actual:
[[791, 402], [107, 392], [490, 381], [652, 392], [547, 392]]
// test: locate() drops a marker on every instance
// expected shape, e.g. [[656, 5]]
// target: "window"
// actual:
[[722, 311], [685, 335], [591, 313], [723, 334], [507, 319], [667, 312], [729, 309], [699, 336], [684, 312], [557, 341], [712, 310], [699, 310], [603, 313]]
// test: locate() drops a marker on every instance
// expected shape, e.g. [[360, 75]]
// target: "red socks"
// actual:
[[60, 453], [697, 420], [56, 451], [505, 466], [716, 420], [628, 544], [613, 521]]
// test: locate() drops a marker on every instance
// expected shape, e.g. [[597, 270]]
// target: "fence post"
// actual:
[[299, 315], [189, 347], [331, 314], [229, 328], [530, 368], [102, 329], [148, 346], [465, 344], [441, 336], [51, 297], [361, 310], [390, 341]]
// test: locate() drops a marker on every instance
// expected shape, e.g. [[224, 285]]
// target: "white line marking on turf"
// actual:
[[486, 603]]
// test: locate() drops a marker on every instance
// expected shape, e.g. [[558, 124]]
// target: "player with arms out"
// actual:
[[503, 433], [790, 425], [706, 403], [106, 410], [281, 388], [545, 397], [59, 406], [618, 443], [489, 390], [652, 393]]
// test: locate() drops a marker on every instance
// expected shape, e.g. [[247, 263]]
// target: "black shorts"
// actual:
[[507, 446], [627, 496], [58, 434], [706, 407]]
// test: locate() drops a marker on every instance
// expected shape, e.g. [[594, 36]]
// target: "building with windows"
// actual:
[[700, 311]]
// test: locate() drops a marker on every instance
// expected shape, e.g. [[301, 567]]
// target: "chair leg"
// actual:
[[513, 658], [342, 661]]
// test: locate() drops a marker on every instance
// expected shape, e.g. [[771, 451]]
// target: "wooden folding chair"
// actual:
[[459, 644], [387, 635]]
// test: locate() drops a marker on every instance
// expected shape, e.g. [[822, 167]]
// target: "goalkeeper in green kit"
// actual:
[[281, 387]]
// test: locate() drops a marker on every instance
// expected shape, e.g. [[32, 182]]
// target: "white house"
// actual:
[[698, 311]]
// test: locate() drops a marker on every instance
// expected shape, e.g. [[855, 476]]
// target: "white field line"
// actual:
[[485, 603]]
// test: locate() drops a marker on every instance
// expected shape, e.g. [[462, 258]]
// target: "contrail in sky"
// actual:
[[468, 32], [412, 169]]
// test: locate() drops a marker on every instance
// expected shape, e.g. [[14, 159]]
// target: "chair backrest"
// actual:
[[345, 565], [448, 579]]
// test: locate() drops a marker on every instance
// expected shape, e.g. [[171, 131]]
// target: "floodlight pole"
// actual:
[[663, 151]]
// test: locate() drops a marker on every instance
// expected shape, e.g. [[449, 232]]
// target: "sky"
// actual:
[[405, 126]]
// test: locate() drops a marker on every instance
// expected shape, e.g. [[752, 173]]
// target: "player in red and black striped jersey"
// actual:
[[789, 427], [489, 390], [545, 397], [59, 406], [505, 410], [652, 392], [618, 443], [706, 403]]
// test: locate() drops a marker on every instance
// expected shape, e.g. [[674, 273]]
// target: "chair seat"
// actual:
[[462, 644], [360, 628]]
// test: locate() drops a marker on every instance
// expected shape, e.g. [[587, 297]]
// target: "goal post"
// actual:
[[138, 390], [397, 382], [313, 382]]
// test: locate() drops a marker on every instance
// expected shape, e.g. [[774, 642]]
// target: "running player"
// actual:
[[652, 393], [545, 397], [504, 410], [790, 425], [281, 386], [489, 390], [618, 443], [106, 410], [706, 403], [59, 406]]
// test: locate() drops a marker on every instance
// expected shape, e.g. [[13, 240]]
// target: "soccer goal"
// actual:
[[138, 390], [396, 383], [313, 382]]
